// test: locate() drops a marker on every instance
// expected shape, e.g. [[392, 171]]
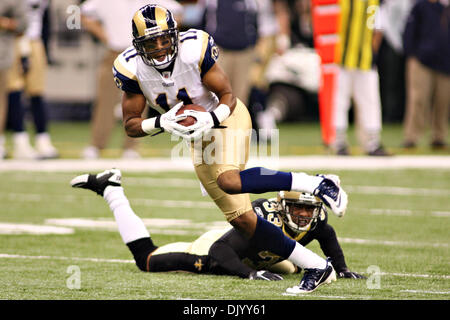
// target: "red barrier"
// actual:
[[325, 20]]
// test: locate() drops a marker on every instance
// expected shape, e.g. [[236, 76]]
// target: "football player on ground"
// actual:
[[167, 70], [301, 216]]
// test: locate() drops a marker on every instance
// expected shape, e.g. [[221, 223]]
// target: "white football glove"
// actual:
[[169, 121], [166, 122], [206, 121]]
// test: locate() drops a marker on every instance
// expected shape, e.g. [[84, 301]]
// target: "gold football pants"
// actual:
[[34, 81], [222, 150]]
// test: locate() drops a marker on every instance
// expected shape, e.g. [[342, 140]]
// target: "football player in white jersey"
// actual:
[[168, 70]]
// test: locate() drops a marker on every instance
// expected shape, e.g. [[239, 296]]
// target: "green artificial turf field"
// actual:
[[61, 243]]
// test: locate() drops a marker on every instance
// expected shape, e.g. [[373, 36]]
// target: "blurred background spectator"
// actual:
[[28, 74], [234, 26], [393, 15], [283, 75], [358, 79], [110, 23], [427, 47], [12, 23], [271, 40], [290, 74]]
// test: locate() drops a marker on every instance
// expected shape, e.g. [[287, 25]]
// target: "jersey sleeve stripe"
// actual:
[[126, 84], [121, 69], [205, 38]]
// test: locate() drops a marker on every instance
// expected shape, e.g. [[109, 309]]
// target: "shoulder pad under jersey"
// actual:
[[124, 70], [197, 46]]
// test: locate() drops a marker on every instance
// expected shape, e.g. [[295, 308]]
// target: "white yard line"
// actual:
[[401, 212], [19, 256], [184, 164], [393, 243], [36, 197], [21, 228], [426, 292], [388, 190], [169, 226]]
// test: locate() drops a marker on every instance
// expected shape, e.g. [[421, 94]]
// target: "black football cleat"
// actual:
[[313, 278], [98, 182]]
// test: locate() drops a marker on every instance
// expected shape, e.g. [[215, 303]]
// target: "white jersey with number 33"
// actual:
[[197, 53]]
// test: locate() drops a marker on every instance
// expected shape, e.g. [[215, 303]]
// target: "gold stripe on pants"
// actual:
[[34, 81]]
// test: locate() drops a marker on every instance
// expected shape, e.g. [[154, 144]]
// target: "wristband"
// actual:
[[149, 125], [221, 113]]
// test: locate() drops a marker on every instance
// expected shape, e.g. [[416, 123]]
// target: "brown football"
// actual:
[[189, 121]]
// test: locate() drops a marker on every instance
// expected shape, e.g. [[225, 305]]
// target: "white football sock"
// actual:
[[130, 225], [302, 182], [306, 259]]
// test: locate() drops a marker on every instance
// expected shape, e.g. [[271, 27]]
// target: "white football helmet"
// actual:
[[299, 210]]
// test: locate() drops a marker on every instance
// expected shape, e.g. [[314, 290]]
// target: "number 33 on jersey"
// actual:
[[164, 88]]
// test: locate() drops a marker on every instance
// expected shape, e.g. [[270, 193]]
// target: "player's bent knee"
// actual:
[[230, 182], [245, 223]]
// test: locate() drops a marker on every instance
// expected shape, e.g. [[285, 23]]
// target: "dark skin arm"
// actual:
[[217, 81], [132, 108], [133, 104]]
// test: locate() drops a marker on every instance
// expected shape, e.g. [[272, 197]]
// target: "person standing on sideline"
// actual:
[[427, 47], [13, 22], [234, 26], [109, 22], [28, 75], [391, 59], [358, 78]]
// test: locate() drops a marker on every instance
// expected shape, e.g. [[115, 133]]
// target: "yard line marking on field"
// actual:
[[175, 226], [129, 181], [22, 228], [441, 213], [184, 164], [401, 191], [19, 256], [393, 212], [411, 275], [393, 243], [195, 184], [313, 296], [401, 212], [36, 197], [155, 225], [425, 291], [174, 203]]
